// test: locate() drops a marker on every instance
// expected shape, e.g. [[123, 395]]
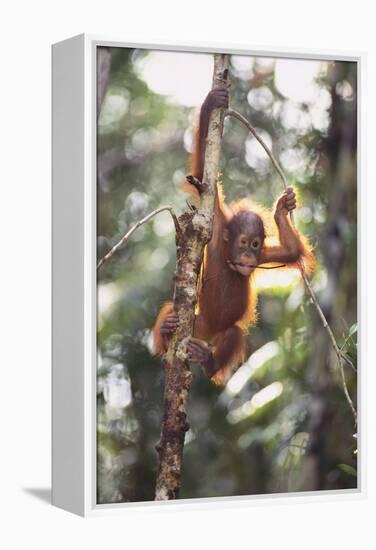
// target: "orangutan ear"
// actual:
[[226, 235]]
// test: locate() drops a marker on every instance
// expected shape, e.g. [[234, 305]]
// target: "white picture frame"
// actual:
[[74, 275]]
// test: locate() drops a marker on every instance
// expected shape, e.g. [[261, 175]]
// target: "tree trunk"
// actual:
[[195, 232]]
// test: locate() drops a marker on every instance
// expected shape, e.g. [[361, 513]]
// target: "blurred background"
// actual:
[[282, 422]]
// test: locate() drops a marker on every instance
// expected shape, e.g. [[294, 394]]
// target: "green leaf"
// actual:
[[348, 469]]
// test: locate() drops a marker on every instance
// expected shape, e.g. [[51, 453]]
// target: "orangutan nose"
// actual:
[[248, 260]]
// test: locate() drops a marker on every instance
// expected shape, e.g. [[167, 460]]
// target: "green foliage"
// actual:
[[348, 469]]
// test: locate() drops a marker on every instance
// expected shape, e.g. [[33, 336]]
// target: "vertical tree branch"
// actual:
[[196, 230]]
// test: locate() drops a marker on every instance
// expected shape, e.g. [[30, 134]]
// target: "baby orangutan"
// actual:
[[226, 295]]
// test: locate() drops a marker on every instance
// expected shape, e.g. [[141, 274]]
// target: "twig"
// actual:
[[124, 239], [341, 357]]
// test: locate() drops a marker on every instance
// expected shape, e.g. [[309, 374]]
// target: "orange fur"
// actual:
[[222, 376], [187, 187], [307, 257], [227, 301], [210, 324], [160, 343]]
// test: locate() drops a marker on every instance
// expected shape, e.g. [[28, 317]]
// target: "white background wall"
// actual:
[[27, 30]]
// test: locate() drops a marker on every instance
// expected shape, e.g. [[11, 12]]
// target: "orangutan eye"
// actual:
[[255, 243], [243, 242]]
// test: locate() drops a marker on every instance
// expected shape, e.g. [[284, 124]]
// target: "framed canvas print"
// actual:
[[206, 280]]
